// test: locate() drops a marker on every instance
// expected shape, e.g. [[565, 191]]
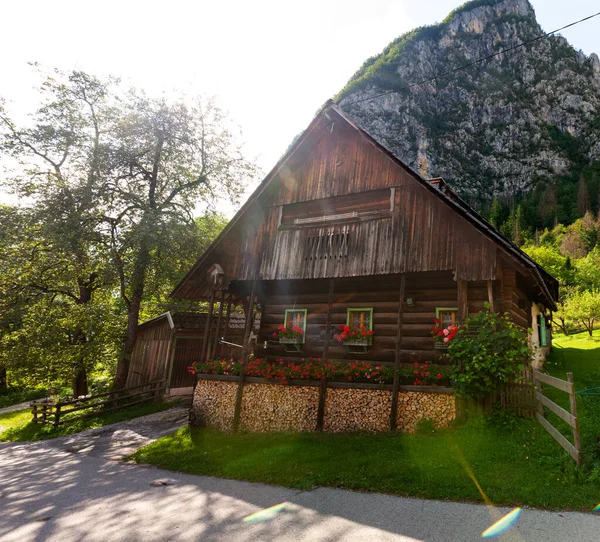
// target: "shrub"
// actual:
[[489, 350]]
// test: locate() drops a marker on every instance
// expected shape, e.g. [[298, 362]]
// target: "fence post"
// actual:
[[321, 409], [44, 410], [57, 415], [573, 402]]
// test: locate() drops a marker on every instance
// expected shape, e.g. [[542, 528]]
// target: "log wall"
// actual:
[[428, 291]]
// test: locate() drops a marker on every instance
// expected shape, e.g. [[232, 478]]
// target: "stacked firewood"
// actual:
[[268, 407], [214, 404]]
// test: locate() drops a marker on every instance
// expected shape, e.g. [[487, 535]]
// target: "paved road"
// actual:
[[71, 492]]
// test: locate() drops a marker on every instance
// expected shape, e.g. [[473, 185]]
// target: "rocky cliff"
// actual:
[[500, 127]]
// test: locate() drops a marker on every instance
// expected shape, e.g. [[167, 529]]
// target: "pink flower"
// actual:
[[446, 332], [446, 339]]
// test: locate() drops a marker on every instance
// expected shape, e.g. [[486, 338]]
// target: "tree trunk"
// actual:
[[138, 280], [80, 383], [3, 385]]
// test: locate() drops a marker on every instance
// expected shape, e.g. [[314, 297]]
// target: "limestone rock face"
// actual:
[[499, 127]]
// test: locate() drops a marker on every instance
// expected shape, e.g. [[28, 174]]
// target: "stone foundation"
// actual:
[[276, 407]]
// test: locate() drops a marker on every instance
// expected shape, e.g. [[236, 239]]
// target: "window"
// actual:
[[542, 330], [296, 318], [369, 205], [360, 318], [447, 316]]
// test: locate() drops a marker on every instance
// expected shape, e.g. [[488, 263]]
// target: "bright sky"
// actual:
[[271, 63]]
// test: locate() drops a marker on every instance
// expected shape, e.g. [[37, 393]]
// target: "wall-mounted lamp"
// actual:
[[410, 302]]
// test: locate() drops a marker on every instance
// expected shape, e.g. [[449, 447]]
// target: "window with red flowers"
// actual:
[[295, 319]]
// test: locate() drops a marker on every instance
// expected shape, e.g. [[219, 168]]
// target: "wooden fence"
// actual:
[[569, 417], [59, 412]]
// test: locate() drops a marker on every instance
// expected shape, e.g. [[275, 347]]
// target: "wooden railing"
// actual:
[[58, 412], [569, 417]]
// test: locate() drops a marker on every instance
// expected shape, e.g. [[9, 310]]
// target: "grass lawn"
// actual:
[[579, 354], [515, 461], [17, 426]]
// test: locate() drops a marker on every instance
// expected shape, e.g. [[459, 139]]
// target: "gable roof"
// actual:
[[548, 284]]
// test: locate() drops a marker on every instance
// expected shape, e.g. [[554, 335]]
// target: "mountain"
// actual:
[[521, 124]]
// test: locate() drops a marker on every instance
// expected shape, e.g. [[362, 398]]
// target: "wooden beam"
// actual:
[[227, 318], [211, 305], [463, 311], [396, 386], [249, 307], [323, 387], [574, 453], [552, 381], [490, 290], [219, 319], [328, 321], [558, 410]]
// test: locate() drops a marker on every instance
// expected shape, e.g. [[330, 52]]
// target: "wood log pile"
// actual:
[[412, 406], [357, 410], [268, 407], [275, 407], [214, 405]]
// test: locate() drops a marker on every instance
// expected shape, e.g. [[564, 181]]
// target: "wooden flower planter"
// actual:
[[357, 347], [291, 345]]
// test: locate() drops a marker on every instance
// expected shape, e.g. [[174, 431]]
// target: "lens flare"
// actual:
[[597, 509], [266, 514], [502, 525]]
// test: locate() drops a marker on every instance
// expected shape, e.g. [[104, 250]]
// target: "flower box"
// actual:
[[357, 346], [291, 344]]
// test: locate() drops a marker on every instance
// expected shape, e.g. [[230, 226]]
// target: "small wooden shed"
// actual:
[[169, 343]]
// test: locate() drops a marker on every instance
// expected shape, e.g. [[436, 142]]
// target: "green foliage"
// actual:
[[552, 261], [583, 308], [112, 178], [488, 351]]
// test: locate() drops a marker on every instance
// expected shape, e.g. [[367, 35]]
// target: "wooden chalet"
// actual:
[[343, 232]]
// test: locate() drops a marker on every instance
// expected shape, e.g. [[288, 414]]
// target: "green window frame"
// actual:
[[350, 312], [542, 334], [292, 313]]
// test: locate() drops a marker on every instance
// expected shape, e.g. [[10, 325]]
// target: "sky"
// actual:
[[271, 64]]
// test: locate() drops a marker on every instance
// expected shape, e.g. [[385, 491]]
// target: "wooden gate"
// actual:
[[570, 417]]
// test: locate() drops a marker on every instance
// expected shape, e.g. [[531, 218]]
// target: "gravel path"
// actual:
[[72, 489], [119, 440], [12, 408]]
